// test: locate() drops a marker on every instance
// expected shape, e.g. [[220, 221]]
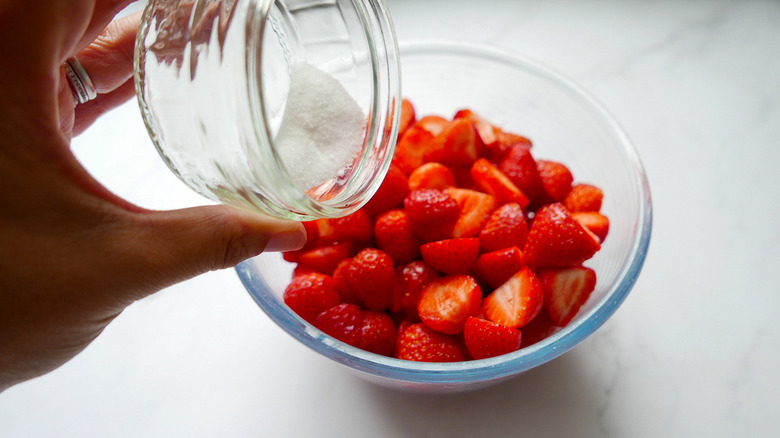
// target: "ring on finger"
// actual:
[[80, 82]]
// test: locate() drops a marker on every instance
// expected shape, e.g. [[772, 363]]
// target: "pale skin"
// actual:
[[72, 254]]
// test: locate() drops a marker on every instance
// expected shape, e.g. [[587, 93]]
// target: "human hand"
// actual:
[[72, 254]]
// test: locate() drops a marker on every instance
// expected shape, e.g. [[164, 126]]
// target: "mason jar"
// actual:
[[289, 107]]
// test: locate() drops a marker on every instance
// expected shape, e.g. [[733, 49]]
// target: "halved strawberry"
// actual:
[[556, 239], [433, 214], [431, 176], [357, 227], [520, 166], [456, 145], [413, 277], [423, 344], [597, 223], [376, 333], [556, 178], [371, 276], [408, 116], [475, 210], [516, 302], [496, 267], [446, 303], [491, 180], [565, 291], [451, 256], [309, 294], [390, 194], [504, 142], [486, 339], [505, 228], [584, 197], [410, 148], [341, 322], [433, 124], [488, 133], [394, 235], [325, 258], [341, 284]]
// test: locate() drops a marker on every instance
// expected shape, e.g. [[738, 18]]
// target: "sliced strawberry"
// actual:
[[433, 214], [504, 142], [394, 235], [556, 239], [490, 180], [408, 116], [376, 333], [341, 284], [463, 178], [357, 227], [413, 277], [371, 276], [431, 176], [496, 267], [584, 197], [433, 124], [519, 165], [597, 223], [475, 210], [456, 145], [309, 294], [390, 194], [565, 291], [342, 322], [325, 258], [410, 148], [486, 339], [556, 179], [423, 344], [505, 228], [446, 303], [516, 302], [451, 256], [488, 133], [538, 329]]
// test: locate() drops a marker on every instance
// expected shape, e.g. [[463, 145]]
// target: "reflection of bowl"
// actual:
[[565, 125]]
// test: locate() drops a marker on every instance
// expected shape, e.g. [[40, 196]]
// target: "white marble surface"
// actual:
[[693, 351]]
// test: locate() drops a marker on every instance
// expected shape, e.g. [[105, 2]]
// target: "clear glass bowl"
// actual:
[[566, 125]]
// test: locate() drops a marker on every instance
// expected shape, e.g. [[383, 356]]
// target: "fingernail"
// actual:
[[286, 241]]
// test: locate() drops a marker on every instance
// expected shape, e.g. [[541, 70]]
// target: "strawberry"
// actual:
[[556, 239], [376, 333], [325, 258], [446, 303], [496, 267], [390, 194], [488, 133], [408, 116], [584, 197], [431, 176], [516, 302], [371, 276], [423, 344], [504, 142], [556, 179], [309, 294], [486, 339], [342, 322], [565, 291], [490, 180], [456, 145], [357, 227], [475, 210], [538, 329], [433, 124], [413, 277], [597, 223], [410, 148], [394, 235], [451, 256], [519, 165], [463, 178], [433, 214], [341, 284], [506, 227]]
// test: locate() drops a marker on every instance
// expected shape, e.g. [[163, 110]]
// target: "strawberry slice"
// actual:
[[496, 267], [309, 294], [488, 133], [371, 276], [505, 228], [519, 165], [408, 116], [394, 235], [431, 176], [597, 223], [486, 339], [516, 302], [556, 179], [433, 124], [451, 256], [391, 192], [413, 277], [584, 197], [456, 145], [357, 227], [325, 258], [556, 239], [433, 214], [565, 291], [490, 180], [446, 303], [376, 333], [475, 210], [341, 322], [410, 148], [423, 344]]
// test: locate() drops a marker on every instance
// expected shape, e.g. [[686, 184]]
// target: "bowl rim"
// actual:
[[505, 366]]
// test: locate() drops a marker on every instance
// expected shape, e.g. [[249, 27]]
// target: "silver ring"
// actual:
[[80, 82]]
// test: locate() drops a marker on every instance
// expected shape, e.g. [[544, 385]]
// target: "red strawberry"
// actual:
[[309, 294], [496, 267], [431, 176], [490, 180], [433, 124], [505, 228], [597, 223], [390, 194], [519, 165], [584, 197], [394, 235], [423, 344], [325, 258], [446, 303], [451, 256], [556, 239], [341, 283], [556, 178], [433, 214], [538, 329], [376, 333], [488, 133], [516, 302], [371, 276], [565, 291], [456, 145], [485, 338], [475, 210], [410, 148], [408, 116], [342, 322], [413, 277], [504, 142], [357, 227]]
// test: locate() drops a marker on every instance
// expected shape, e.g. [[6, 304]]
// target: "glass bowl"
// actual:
[[566, 125]]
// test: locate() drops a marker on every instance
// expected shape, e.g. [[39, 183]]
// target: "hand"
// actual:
[[72, 254]]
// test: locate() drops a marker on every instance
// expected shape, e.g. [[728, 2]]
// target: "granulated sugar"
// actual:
[[322, 128]]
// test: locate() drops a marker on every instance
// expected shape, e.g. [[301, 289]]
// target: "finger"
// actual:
[[109, 58], [87, 113], [102, 14]]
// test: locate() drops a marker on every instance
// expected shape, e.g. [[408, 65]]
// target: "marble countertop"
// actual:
[[693, 351]]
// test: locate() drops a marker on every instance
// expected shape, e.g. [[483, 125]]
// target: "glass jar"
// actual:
[[218, 86]]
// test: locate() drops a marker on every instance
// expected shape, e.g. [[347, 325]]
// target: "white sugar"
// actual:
[[322, 128]]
